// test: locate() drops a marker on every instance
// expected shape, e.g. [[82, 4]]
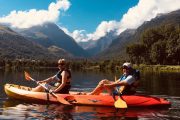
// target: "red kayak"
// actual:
[[25, 93]]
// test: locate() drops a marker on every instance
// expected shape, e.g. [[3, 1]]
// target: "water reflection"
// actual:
[[17, 109], [152, 83], [166, 85], [161, 83]]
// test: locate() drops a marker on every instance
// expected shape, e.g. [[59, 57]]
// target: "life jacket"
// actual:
[[131, 89], [57, 83], [66, 88], [136, 74], [60, 76]]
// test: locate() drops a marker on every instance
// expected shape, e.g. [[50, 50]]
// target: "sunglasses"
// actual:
[[61, 64], [125, 67]]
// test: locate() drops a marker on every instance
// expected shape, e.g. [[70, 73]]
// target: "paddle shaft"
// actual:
[[41, 85], [119, 91], [120, 103], [52, 93]]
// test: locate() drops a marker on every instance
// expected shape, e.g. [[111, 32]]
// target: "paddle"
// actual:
[[120, 103], [60, 99]]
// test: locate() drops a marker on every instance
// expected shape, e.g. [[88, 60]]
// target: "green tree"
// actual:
[[137, 53], [158, 52]]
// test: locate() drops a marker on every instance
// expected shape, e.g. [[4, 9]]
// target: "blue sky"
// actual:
[[83, 14], [87, 14], [84, 19], [6, 6]]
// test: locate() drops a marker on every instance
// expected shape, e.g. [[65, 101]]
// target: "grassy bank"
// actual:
[[168, 68], [106, 65]]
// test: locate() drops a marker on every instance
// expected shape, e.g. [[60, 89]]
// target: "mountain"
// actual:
[[49, 34], [172, 18], [59, 52], [87, 44], [15, 46], [94, 47], [118, 47]]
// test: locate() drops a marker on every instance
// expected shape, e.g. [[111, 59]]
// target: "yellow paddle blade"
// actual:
[[27, 76], [120, 103]]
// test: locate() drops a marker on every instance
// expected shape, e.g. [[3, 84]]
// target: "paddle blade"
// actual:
[[61, 99], [120, 103], [27, 76]]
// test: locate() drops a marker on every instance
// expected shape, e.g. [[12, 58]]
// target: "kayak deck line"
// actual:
[[25, 93]]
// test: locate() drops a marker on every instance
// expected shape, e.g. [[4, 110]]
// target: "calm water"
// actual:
[[166, 85]]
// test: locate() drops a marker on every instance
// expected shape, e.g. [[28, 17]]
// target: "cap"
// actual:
[[127, 64], [61, 61]]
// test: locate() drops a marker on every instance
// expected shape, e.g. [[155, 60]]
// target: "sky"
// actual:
[[84, 19]]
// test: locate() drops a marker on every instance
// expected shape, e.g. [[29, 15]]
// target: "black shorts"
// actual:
[[128, 92], [65, 89]]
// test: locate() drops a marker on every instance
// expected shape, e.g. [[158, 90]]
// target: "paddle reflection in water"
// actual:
[[17, 109]]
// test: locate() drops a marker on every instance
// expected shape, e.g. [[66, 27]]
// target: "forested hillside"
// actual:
[[155, 42], [14, 46], [158, 45]]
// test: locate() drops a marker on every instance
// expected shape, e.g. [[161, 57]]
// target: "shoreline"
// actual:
[[162, 68], [142, 67]]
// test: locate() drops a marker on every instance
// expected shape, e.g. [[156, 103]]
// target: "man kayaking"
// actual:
[[126, 84], [59, 83]]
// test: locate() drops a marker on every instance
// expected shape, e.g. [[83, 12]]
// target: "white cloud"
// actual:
[[78, 35], [104, 28], [145, 10], [26, 19]]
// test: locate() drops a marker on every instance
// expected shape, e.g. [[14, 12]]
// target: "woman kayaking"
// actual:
[[60, 82], [125, 84]]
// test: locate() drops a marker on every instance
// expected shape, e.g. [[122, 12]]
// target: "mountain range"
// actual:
[[94, 47], [15, 46], [117, 49], [48, 41], [49, 34]]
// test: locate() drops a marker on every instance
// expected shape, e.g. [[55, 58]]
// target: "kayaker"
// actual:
[[60, 82], [125, 84]]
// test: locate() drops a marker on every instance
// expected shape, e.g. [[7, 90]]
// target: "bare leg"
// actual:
[[100, 87], [97, 90], [109, 90], [38, 89]]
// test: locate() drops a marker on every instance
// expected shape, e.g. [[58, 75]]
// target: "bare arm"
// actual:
[[47, 80], [117, 83], [129, 80]]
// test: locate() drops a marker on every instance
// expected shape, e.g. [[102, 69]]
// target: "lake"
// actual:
[[159, 84]]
